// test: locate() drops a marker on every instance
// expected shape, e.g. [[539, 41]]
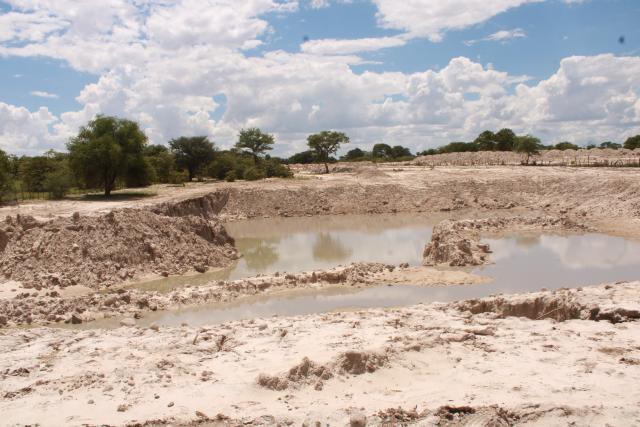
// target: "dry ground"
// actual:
[[573, 359]]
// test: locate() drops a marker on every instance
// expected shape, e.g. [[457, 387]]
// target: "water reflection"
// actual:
[[329, 248], [259, 254], [522, 264]]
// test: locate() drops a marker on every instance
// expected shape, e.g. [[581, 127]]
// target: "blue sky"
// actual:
[[211, 68]]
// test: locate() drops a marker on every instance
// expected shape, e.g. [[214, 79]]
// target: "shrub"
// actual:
[[253, 174], [230, 176], [58, 183]]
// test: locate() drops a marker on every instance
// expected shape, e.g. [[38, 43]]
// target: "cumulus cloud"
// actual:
[[43, 94], [500, 36], [168, 77], [431, 18], [350, 46]]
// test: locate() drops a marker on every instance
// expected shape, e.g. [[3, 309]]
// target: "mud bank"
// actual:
[[99, 251], [437, 364], [50, 307], [457, 242]]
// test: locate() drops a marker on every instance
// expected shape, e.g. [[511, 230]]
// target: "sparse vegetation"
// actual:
[[325, 144], [106, 149]]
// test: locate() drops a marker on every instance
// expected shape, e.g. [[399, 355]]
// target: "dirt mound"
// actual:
[[309, 372], [457, 243], [565, 304], [104, 250], [47, 307], [585, 157]]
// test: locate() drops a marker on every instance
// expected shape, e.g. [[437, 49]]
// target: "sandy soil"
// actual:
[[437, 364], [567, 358]]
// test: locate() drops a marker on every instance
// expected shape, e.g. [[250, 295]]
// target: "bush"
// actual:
[[178, 177], [253, 174], [230, 176], [58, 183], [273, 168]]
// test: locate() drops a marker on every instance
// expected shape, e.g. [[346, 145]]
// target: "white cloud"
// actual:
[[350, 46], [431, 18], [167, 80], [22, 131], [319, 4], [500, 36], [43, 94]]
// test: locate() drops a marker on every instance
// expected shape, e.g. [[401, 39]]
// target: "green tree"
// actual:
[[191, 153], [565, 145], [458, 147], [304, 157], [632, 142], [486, 141], [528, 145], [355, 154], [398, 151], [161, 161], [6, 179], [505, 139], [326, 143], [254, 141], [382, 151], [32, 172], [609, 144], [106, 149]]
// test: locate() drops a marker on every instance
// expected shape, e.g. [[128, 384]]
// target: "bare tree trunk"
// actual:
[[326, 168]]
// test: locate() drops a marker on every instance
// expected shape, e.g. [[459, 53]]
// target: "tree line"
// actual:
[[506, 140], [111, 152]]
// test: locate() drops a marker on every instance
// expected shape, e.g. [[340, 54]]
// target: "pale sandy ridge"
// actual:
[[536, 372]]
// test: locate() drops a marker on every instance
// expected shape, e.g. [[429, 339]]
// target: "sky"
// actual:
[[419, 73]]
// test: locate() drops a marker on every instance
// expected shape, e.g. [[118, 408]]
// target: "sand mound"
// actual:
[[309, 372], [457, 243], [104, 250]]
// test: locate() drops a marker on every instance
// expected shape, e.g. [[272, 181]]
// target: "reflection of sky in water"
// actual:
[[326, 249], [523, 263], [553, 261]]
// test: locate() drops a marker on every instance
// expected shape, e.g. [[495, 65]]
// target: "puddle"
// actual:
[[522, 263], [315, 243]]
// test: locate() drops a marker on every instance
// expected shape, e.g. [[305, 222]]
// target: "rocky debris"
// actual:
[[456, 243], [104, 250], [50, 308], [546, 157], [309, 372], [565, 304]]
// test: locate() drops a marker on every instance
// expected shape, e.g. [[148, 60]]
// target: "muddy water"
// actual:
[[525, 262], [316, 243]]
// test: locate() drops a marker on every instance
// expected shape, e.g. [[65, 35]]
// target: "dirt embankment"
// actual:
[[99, 251], [464, 363], [457, 243], [46, 307], [581, 157]]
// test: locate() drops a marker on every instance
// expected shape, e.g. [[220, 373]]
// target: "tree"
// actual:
[[355, 154], [486, 141], [528, 145], [106, 149], [5, 174], [609, 144], [565, 145], [191, 153], [505, 138], [632, 142], [304, 157], [161, 161], [255, 141], [326, 143], [398, 151], [381, 151], [32, 172]]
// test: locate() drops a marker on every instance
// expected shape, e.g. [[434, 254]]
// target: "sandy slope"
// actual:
[[536, 372]]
